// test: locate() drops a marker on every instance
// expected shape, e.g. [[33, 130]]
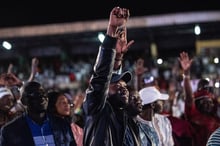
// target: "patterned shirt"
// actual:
[[214, 139], [148, 134], [164, 129]]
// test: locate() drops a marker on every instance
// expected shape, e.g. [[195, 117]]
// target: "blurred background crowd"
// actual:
[[61, 55]]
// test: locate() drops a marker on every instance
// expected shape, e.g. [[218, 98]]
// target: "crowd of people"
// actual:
[[117, 108]]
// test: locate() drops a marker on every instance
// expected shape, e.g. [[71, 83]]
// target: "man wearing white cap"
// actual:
[[152, 101]]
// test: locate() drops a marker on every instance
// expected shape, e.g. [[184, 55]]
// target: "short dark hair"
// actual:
[[29, 89]]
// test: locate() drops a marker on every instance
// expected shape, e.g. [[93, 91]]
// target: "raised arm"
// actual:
[[122, 46], [9, 79], [34, 65], [10, 67], [96, 93], [186, 63], [118, 18]]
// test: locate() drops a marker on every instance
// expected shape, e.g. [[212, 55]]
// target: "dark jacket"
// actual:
[[18, 133], [102, 126]]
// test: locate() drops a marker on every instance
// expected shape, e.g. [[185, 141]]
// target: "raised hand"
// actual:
[[185, 62], [118, 18], [9, 79], [122, 45]]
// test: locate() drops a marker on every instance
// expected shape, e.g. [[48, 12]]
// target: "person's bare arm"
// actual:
[[9, 79], [10, 67], [34, 65], [186, 63], [122, 46]]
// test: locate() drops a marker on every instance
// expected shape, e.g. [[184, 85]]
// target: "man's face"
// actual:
[[37, 101], [206, 105], [204, 101], [135, 103], [119, 92]]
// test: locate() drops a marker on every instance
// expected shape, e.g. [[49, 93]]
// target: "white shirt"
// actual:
[[163, 128]]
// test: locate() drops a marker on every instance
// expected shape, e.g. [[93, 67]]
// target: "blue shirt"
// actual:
[[42, 134]]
